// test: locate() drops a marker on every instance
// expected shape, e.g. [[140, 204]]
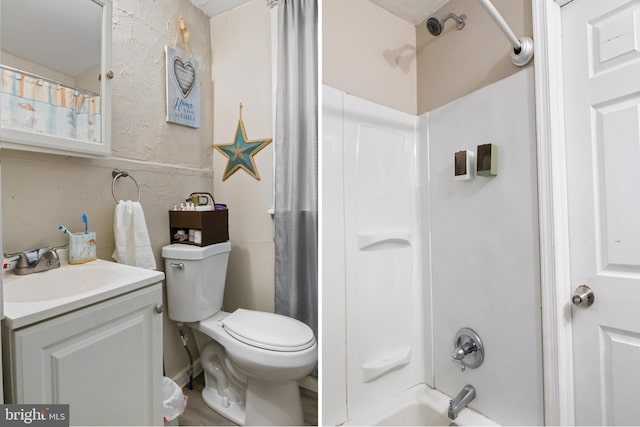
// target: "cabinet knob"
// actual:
[[159, 308], [110, 75]]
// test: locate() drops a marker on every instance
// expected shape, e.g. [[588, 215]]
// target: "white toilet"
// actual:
[[252, 360]]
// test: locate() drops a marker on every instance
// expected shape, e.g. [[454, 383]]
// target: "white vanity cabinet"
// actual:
[[104, 360]]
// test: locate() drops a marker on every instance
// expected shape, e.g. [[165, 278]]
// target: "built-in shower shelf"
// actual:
[[383, 241], [377, 368]]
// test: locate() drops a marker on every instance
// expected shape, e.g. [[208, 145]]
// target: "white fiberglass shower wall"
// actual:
[[471, 258], [372, 253], [485, 269]]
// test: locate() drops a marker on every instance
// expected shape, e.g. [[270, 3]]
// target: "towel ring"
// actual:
[[117, 174]]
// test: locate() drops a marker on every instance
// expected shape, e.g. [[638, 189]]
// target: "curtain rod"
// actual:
[[47, 79]]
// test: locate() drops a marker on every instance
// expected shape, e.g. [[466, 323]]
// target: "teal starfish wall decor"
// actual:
[[240, 152]]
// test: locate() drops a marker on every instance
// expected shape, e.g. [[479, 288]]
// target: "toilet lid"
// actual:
[[268, 330]]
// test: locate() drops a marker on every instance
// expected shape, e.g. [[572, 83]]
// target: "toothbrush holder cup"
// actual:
[[82, 247]]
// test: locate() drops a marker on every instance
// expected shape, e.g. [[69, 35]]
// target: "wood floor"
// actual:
[[199, 414]]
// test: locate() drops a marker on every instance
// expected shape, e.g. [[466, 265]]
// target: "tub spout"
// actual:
[[463, 398]]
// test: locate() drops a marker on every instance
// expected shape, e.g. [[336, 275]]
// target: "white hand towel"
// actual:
[[131, 236]]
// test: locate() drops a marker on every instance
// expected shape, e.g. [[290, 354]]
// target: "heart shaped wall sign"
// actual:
[[185, 75]]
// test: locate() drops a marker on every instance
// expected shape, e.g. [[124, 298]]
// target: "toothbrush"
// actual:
[[86, 224], [63, 229]]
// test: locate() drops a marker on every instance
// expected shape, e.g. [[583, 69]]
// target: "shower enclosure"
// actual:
[[410, 256]]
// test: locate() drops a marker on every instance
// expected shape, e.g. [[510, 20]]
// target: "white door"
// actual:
[[601, 50]]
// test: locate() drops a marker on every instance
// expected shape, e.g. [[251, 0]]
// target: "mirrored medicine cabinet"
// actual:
[[55, 69]]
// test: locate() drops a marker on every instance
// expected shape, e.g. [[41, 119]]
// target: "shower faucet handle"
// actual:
[[459, 353], [458, 364], [468, 351], [467, 348]]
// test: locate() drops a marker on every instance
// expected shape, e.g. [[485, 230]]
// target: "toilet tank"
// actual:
[[195, 279]]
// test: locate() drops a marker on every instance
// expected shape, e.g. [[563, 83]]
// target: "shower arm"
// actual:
[[459, 19], [522, 48]]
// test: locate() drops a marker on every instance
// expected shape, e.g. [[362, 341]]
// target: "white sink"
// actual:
[[59, 283], [39, 296]]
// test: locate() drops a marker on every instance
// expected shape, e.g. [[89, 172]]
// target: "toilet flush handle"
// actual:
[[177, 265]]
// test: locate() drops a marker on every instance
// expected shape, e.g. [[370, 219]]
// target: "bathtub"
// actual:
[[420, 405]]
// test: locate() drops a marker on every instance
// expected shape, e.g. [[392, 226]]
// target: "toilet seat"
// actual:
[[268, 331]]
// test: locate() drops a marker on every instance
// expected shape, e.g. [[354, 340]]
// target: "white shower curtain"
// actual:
[[296, 174]]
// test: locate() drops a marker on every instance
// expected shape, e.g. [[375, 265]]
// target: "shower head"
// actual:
[[436, 25]]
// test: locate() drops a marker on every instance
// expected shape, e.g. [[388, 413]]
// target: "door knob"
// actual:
[[583, 296]]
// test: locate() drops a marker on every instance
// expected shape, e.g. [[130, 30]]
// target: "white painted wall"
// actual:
[[370, 53], [457, 63], [372, 253], [484, 250], [22, 64], [241, 70]]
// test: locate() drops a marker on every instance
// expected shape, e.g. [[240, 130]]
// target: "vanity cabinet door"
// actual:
[[105, 361]]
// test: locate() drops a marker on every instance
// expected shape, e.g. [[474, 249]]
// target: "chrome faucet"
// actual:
[[459, 353], [45, 259], [463, 398], [468, 350]]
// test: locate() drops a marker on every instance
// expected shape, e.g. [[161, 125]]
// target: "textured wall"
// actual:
[[169, 161], [459, 62], [369, 53], [241, 50]]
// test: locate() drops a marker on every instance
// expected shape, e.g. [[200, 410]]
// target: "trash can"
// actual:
[[173, 402]]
